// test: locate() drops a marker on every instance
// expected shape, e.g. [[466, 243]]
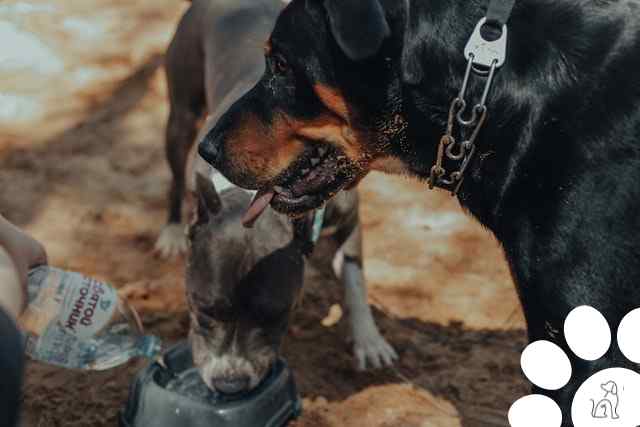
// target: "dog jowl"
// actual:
[[313, 125]]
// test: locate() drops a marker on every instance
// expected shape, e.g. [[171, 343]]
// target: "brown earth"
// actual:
[[82, 168]]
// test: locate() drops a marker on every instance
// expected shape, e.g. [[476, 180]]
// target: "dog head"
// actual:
[[241, 286], [324, 112], [610, 388]]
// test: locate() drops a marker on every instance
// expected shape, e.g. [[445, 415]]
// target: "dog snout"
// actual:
[[231, 385], [212, 146]]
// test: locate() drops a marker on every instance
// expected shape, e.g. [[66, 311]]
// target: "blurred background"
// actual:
[[82, 114]]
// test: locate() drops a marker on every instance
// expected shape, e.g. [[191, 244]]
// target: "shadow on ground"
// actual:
[[28, 175], [476, 370]]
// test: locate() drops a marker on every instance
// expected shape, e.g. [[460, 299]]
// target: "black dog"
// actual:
[[558, 164]]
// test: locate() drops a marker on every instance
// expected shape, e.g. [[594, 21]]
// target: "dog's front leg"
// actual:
[[184, 67], [369, 347]]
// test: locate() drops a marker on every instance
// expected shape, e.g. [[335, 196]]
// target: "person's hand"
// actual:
[[25, 251]]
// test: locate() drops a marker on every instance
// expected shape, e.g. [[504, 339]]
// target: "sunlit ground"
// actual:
[[82, 114]]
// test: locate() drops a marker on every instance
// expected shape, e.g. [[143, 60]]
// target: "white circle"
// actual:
[[608, 399], [628, 336], [535, 410], [587, 333], [546, 365]]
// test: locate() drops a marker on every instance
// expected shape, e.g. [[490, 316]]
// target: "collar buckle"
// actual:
[[485, 53]]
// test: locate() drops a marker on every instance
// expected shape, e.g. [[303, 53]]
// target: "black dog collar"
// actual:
[[485, 53], [499, 12]]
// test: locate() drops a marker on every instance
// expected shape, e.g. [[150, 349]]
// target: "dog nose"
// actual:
[[210, 149], [231, 385]]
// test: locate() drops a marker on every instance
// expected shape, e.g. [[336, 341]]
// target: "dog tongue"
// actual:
[[258, 205]]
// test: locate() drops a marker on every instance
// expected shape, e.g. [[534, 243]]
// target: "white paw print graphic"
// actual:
[[609, 398]]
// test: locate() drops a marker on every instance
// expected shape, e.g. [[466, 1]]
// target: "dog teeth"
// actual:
[[283, 191], [314, 161]]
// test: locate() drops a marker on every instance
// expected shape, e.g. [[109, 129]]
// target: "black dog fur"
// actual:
[[558, 164]]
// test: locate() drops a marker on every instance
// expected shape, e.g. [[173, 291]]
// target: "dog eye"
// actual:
[[280, 64]]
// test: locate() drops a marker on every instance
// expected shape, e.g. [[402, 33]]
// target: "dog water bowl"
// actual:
[[171, 393]]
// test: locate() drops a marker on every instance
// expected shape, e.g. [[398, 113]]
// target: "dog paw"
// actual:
[[172, 241], [372, 350], [608, 396]]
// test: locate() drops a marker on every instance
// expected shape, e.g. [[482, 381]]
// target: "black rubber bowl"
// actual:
[[173, 395]]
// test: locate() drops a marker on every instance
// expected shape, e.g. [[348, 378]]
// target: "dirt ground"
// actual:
[[82, 113]]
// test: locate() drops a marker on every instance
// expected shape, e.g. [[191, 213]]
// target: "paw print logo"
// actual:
[[609, 398]]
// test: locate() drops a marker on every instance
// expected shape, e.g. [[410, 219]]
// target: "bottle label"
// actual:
[[88, 305], [66, 311]]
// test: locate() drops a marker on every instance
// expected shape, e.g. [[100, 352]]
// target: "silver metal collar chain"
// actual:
[[483, 57]]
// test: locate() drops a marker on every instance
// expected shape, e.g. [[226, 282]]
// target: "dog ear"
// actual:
[[209, 202], [610, 387], [359, 26]]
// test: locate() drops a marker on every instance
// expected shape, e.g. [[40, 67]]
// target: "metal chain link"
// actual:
[[483, 57], [460, 152]]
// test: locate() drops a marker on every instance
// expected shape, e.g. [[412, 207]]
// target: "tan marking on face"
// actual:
[[260, 150], [338, 135], [265, 151], [333, 100], [267, 47], [343, 134]]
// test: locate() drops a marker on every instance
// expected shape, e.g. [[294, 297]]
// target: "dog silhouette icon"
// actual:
[[607, 407]]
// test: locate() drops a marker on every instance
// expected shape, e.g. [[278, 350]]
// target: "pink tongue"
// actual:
[[258, 205]]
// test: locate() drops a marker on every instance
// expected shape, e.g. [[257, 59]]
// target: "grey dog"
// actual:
[[242, 283]]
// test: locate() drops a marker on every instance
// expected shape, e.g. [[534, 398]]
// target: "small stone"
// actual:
[[333, 317]]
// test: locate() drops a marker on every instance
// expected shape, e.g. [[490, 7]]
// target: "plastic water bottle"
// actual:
[[75, 321]]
